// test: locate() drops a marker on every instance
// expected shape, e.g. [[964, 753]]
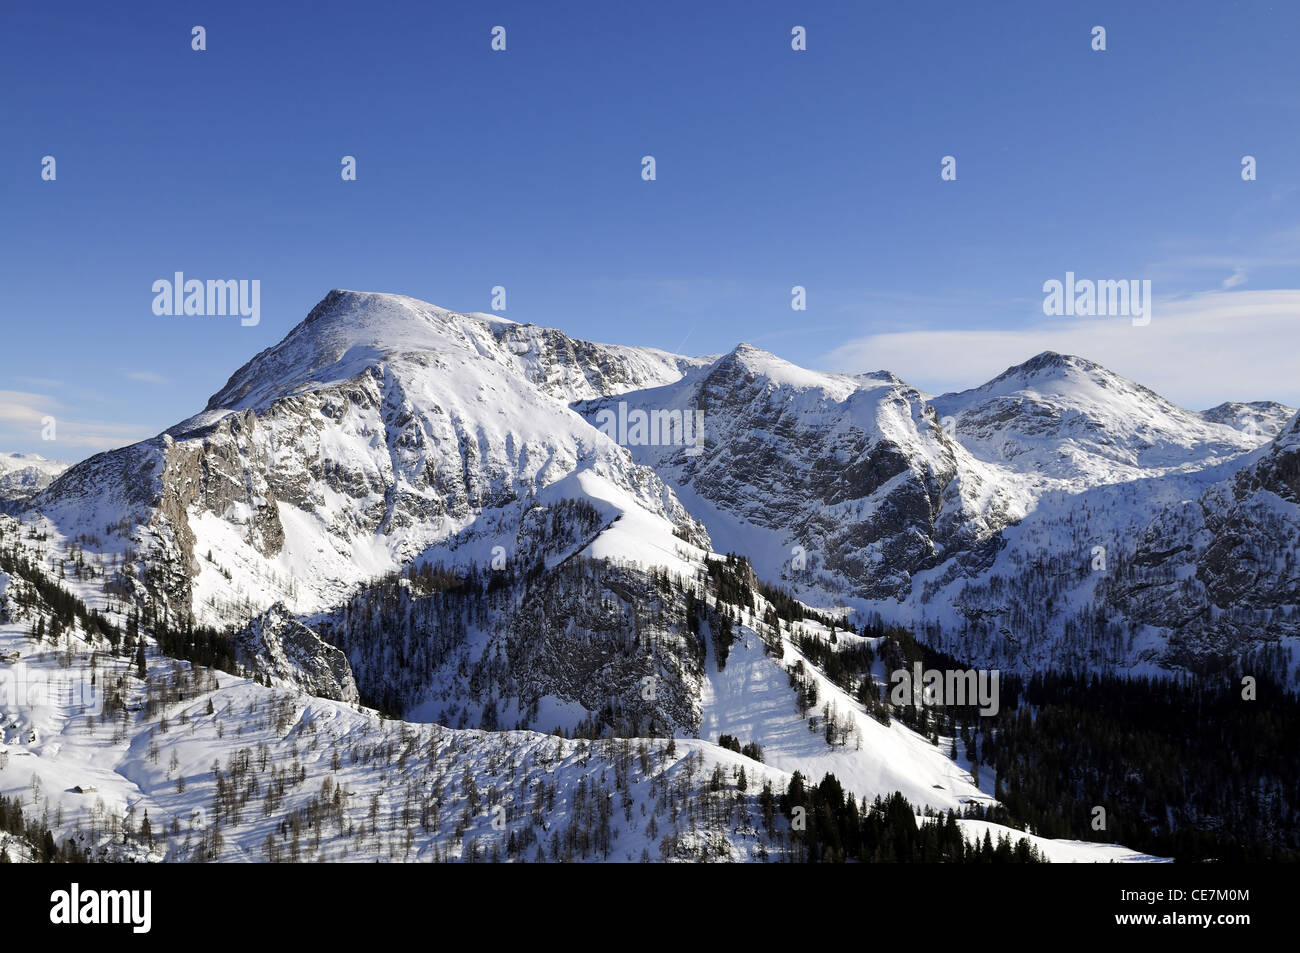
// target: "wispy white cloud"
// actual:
[[46, 383], [20, 407], [25, 421], [1192, 266], [1238, 277], [145, 377], [1198, 350]]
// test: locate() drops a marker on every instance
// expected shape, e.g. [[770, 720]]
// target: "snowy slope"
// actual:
[[385, 431], [1059, 851], [227, 770], [994, 521], [850, 476], [381, 430], [1068, 419], [1158, 539], [385, 435], [750, 699]]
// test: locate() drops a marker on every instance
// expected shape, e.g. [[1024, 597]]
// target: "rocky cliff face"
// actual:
[[280, 650], [852, 479], [1220, 572], [568, 369], [585, 642]]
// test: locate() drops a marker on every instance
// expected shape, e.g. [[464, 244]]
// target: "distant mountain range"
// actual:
[[461, 520], [1058, 515], [23, 475]]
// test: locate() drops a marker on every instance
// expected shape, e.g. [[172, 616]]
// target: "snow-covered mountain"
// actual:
[[1118, 486], [1264, 417], [384, 434], [494, 527], [23, 475], [983, 519], [1220, 571], [1073, 423], [382, 430], [845, 479]]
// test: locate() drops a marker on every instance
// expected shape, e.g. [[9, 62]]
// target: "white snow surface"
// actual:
[[159, 763]]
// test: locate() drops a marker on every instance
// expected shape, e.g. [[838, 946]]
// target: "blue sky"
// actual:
[[522, 169]]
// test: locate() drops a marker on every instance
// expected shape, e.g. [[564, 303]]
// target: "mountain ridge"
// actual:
[[384, 430]]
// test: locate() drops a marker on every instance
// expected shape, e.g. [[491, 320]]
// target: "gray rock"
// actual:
[[277, 647]]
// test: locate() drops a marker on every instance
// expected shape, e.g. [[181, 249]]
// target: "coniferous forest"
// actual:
[[1183, 769], [1196, 768]]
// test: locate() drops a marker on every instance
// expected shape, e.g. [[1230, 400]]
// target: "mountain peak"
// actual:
[[758, 363], [1264, 417], [328, 304], [20, 461], [1050, 361], [345, 300], [748, 355], [370, 316], [343, 334]]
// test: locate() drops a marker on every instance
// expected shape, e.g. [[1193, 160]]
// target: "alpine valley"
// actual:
[[400, 591]]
